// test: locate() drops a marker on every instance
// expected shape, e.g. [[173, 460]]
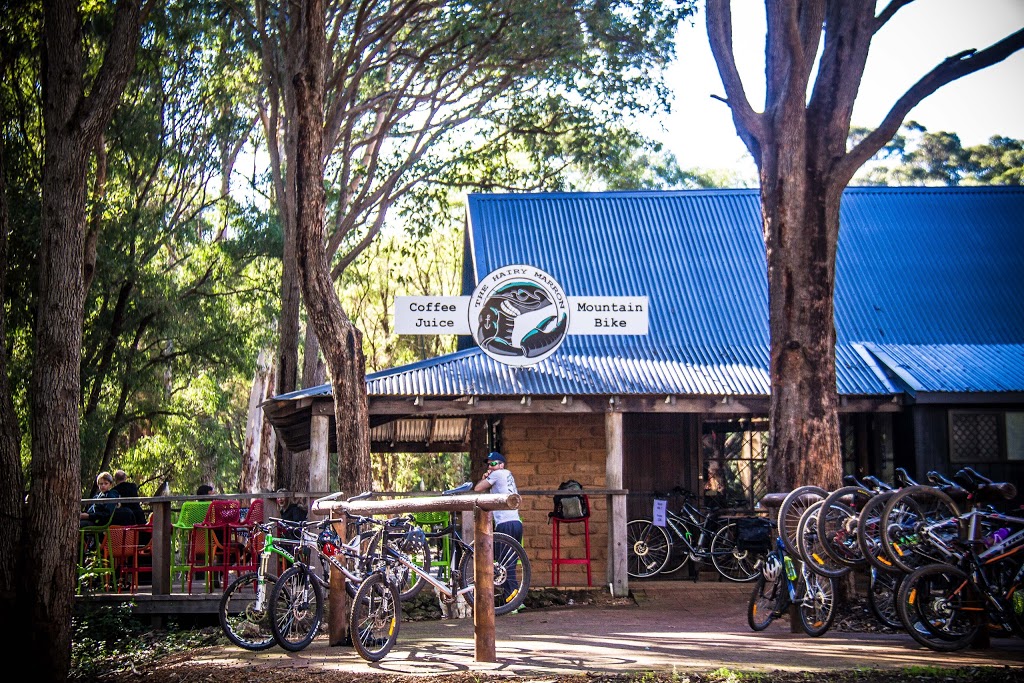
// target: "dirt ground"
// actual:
[[196, 666]]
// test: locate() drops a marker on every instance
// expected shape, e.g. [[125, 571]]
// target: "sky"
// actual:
[[990, 102]]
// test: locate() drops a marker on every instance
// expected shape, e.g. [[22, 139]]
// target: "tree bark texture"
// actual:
[[799, 144], [73, 123], [340, 340], [12, 482], [258, 473]]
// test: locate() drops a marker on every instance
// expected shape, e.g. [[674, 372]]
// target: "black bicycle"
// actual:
[[690, 534]]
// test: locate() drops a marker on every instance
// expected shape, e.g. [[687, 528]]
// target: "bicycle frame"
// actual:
[[683, 528]]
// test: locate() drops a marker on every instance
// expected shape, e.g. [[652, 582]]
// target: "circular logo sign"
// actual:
[[518, 315]]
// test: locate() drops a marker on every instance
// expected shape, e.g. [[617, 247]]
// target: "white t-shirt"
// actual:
[[502, 481]]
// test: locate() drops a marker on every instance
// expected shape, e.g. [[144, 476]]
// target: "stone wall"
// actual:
[[542, 452]]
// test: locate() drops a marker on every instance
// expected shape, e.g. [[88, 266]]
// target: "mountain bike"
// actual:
[[375, 616], [785, 581], [690, 534], [244, 608], [297, 598]]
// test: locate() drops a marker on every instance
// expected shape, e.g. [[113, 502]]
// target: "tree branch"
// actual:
[[951, 69], [749, 124]]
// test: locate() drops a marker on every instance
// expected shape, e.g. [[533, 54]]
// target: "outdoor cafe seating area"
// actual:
[[210, 542]]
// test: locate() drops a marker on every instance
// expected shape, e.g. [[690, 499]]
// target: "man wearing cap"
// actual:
[[500, 480]]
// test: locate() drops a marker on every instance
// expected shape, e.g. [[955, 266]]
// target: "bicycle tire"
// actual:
[[248, 627], [817, 607], [904, 514], [792, 509], [375, 617], [837, 525], [732, 563], [883, 591], [935, 609], [296, 608], [869, 533], [512, 573], [766, 602], [648, 548], [812, 554], [678, 555], [410, 582]]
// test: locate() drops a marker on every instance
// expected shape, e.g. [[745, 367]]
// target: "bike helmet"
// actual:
[[328, 541], [413, 540], [772, 568]]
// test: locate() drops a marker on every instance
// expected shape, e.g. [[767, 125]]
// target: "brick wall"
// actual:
[[542, 452]]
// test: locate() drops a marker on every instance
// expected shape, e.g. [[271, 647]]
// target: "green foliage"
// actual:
[[184, 287], [918, 157], [108, 640]]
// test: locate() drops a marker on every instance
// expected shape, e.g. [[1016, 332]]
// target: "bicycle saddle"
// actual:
[[903, 478], [876, 484]]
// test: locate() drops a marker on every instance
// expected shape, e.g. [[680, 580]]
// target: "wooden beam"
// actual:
[[485, 501]]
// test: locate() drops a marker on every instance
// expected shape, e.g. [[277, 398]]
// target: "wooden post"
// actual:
[[617, 577], [337, 600], [483, 582], [319, 456], [161, 547]]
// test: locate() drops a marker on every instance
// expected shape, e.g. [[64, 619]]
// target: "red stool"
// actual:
[[556, 546]]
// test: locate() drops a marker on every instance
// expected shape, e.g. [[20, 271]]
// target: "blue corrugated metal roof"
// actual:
[[925, 274], [956, 368]]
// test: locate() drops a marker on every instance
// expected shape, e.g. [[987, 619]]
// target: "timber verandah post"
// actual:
[[481, 505]]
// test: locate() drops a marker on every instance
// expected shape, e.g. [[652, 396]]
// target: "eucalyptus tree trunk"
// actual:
[[73, 122], [12, 483], [800, 147], [257, 458], [341, 341]]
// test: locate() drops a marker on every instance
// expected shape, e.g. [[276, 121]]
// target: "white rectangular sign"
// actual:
[[431, 315], [659, 511], [616, 315], [608, 314]]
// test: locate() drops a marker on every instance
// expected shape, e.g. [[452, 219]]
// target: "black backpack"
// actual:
[[570, 506], [753, 533]]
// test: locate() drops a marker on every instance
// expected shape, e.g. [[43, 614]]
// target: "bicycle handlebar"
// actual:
[[461, 488]]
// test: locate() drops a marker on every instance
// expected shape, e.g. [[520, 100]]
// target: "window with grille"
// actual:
[[975, 436], [735, 453]]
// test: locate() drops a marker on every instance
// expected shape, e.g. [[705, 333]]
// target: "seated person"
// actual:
[[127, 514], [99, 513]]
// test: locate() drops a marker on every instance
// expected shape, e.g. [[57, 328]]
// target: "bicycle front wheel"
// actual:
[[375, 617], [792, 510], [939, 608], [296, 608], [511, 574], [647, 548], [882, 591], [245, 619], [809, 543], [919, 524], [818, 606], [730, 561], [837, 524], [766, 601]]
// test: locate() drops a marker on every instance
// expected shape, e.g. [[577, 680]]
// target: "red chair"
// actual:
[[556, 543], [246, 541], [210, 548], [128, 547]]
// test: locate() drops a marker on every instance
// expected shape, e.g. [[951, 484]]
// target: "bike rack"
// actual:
[[481, 505]]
